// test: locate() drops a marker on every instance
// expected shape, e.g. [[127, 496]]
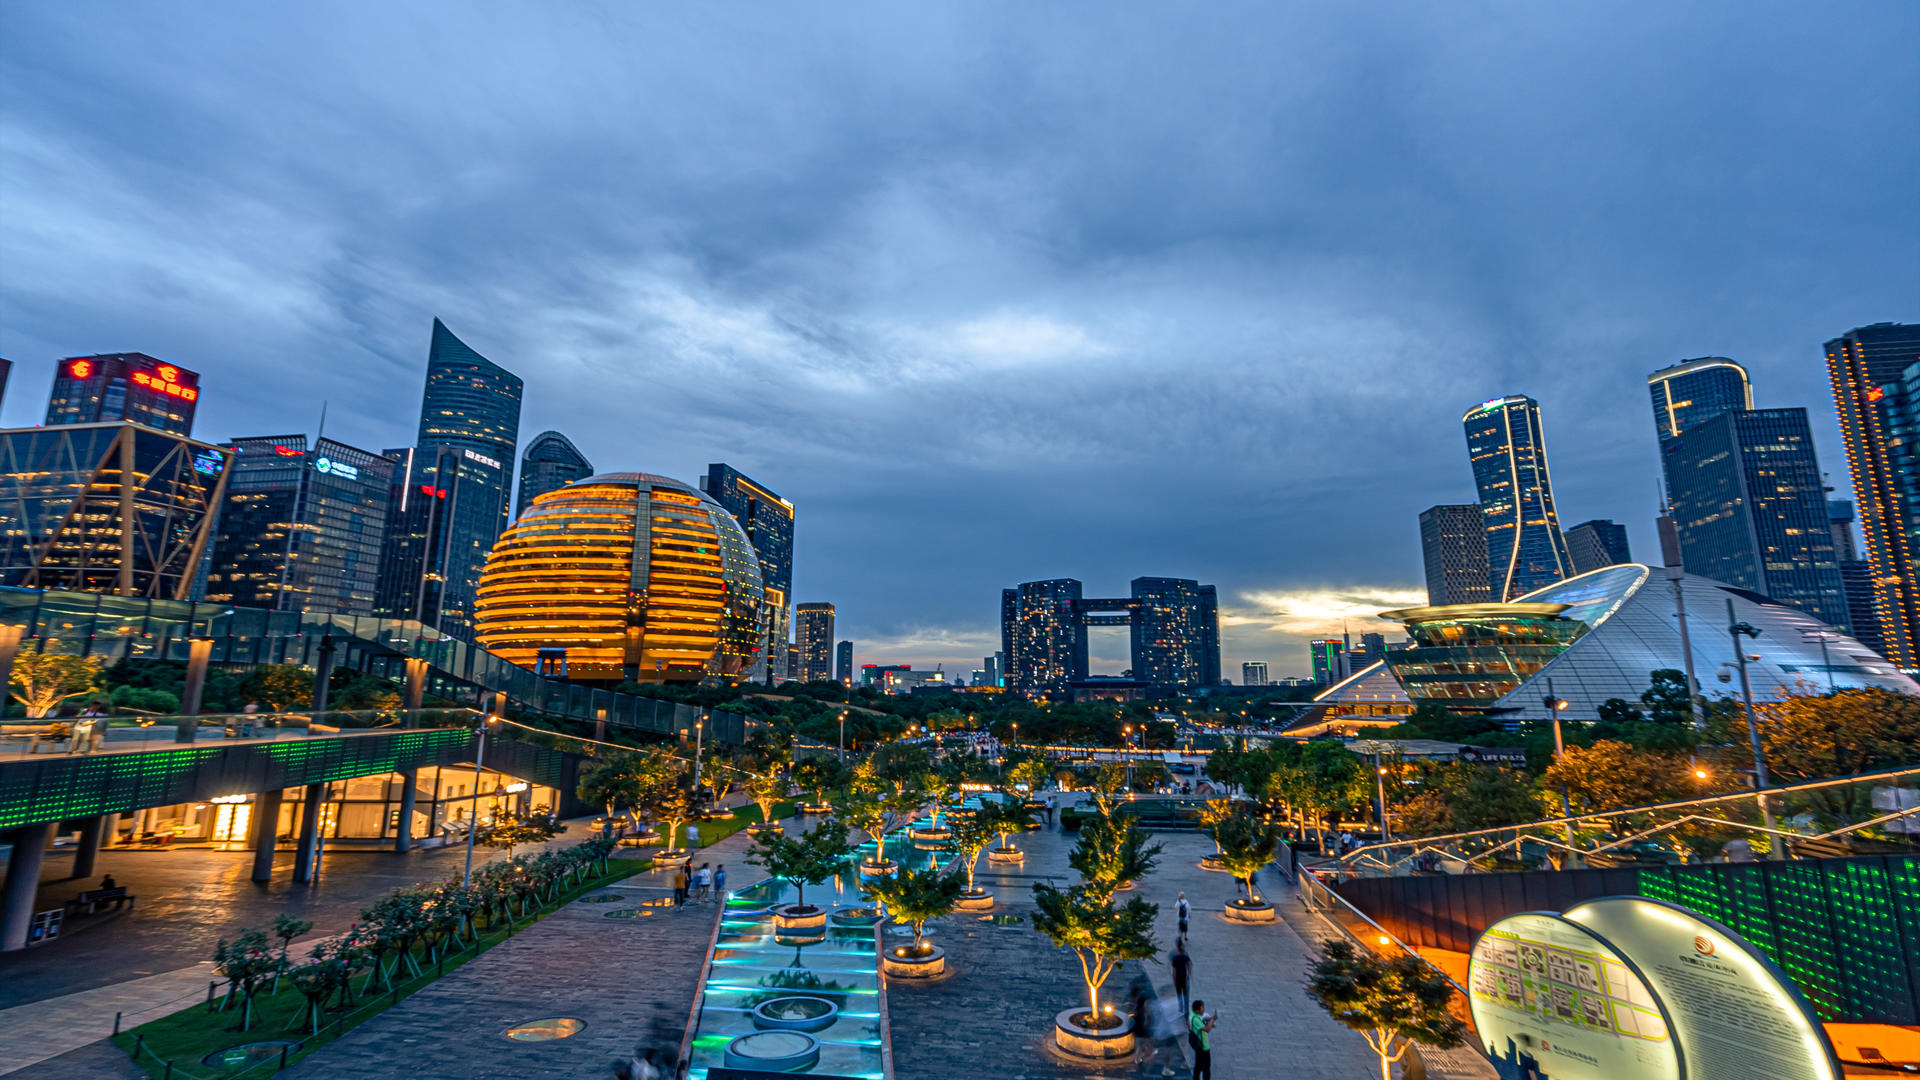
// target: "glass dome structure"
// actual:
[[637, 577]]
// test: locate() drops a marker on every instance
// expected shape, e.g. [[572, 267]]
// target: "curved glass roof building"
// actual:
[[636, 576], [1600, 635]]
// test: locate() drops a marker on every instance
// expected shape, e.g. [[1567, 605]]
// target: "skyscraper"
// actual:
[[1750, 506], [1042, 636], [124, 386], [768, 521], [302, 527], [990, 670], [550, 463], [1176, 632], [1694, 391], [1867, 365], [815, 627], [1597, 543], [1373, 649], [843, 663], [1525, 548], [1254, 673], [1840, 519], [1453, 543], [1329, 660], [469, 430], [1856, 578]]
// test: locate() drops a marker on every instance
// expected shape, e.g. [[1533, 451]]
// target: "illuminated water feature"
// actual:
[[753, 965]]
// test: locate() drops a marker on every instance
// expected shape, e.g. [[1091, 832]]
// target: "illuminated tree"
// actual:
[[42, 681], [913, 898], [1392, 1003], [1101, 935], [1245, 846], [808, 859]]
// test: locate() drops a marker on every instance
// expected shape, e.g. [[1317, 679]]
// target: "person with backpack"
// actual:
[[1200, 1040], [1182, 965], [1186, 912]]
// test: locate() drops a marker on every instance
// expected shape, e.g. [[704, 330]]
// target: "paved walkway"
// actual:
[[52, 1027], [996, 1010]]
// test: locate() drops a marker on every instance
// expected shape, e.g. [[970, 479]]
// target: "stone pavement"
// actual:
[[632, 981], [55, 1026], [994, 1013]]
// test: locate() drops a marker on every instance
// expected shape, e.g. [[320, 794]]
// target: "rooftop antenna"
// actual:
[[318, 435]]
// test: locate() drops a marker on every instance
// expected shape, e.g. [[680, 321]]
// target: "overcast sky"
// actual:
[[992, 292]]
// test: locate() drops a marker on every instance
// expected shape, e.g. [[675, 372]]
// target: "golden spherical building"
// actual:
[[638, 577]]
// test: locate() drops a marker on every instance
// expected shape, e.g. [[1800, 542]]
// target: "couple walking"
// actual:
[[705, 883]]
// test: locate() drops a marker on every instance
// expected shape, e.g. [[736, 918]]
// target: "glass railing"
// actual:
[[85, 735]]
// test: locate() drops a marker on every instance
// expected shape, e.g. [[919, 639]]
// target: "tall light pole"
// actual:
[[1380, 791], [1822, 635], [843, 734], [1126, 750], [479, 756], [1556, 706], [1737, 630], [699, 727]]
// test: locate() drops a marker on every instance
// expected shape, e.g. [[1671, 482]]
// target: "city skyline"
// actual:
[[321, 286]]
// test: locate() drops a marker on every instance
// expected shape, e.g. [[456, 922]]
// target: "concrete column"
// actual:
[[308, 849], [199, 651], [323, 673], [416, 689], [23, 885], [416, 693], [92, 831], [266, 832]]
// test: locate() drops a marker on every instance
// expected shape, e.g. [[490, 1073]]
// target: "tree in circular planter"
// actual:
[[619, 781], [971, 836], [1103, 937], [811, 858], [913, 898], [1245, 846], [1112, 852], [767, 790], [820, 774], [942, 786], [1393, 1003], [1008, 815], [669, 800]]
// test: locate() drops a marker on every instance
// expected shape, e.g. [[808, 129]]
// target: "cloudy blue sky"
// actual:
[[993, 292]]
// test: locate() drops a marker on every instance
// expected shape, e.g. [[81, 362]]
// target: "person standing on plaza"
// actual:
[[1186, 912], [720, 883], [1182, 965], [679, 886], [702, 881], [1200, 1040]]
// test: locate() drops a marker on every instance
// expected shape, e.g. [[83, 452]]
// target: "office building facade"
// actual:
[[124, 386], [1043, 637], [1594, 544], [1373, 649], [468, 436], [814, 624], [1507, 447], [1175, 624], [843, 663], [1856, 577], [550, 463], [1254, 673], [1749, 503], [1453, 545], [1329, 658], [1866, 366], [302, 527], [768, 521], [115, 508], [1695, 391], [990, 667], [1174, 634]]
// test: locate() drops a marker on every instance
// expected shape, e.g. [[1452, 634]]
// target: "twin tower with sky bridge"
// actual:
[[1175, 631]]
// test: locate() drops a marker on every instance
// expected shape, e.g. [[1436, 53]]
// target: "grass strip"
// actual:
[[186, 1037]]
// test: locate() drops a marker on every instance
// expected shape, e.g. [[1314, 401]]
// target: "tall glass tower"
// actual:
[[1867, 367], [1691, 393], [550, 463], [469, 430], [1525, 549]]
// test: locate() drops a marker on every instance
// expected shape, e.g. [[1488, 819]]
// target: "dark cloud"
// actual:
[[993, 292]]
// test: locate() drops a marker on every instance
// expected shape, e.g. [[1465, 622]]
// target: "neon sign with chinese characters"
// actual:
[[81, 369], [165, 379]]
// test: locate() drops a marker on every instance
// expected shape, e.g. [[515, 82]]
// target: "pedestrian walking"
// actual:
[[679, 886], [1182, 964], [720, 883], [1186, 912], [1200, 1040], [704, 880]]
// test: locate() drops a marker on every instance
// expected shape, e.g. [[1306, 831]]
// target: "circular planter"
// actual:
[[858, 916], [1241, 911], [795, 917], [1212, 862], [1006, 855], [901, 962], [980, 901], [773, 1051], [931, 836], [799, 1012], [671, 858], [822, 808], [1073, 1037], [878, 869], [759, 827]]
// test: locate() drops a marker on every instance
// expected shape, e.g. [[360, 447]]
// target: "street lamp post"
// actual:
[[843, 734], [1822, 636], [1556, 706], [1737, 630], [699, 727], [1126, 749], [1380, 791], [479, 756]]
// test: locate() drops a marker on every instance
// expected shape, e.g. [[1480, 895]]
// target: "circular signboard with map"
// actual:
[[1553, 1000]]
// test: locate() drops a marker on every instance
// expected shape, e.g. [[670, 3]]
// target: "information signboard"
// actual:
[[1554, 1000], [1734, 1014]]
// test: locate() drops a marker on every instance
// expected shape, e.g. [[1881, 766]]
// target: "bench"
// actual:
[[92, 899]]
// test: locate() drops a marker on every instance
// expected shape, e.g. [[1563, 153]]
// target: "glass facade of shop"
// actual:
[[1468, 656]]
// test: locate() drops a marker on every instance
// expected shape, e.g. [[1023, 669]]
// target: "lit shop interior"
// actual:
[[360, 813]]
